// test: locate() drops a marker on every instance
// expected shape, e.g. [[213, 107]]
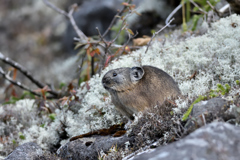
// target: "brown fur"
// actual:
[[131, 96]]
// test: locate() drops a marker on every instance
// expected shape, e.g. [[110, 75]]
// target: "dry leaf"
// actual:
[[141, 41]]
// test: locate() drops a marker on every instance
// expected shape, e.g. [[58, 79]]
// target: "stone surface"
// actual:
[[208, 111], [216, 141], [90, 147], [212, 105], [26, 151]]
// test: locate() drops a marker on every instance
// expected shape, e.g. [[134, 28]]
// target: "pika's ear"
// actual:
[[136, 73]]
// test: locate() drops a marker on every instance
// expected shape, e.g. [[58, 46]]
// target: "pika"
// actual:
[[138, 88]]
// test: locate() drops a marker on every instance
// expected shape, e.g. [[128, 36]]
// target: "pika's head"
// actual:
[[122, 79]]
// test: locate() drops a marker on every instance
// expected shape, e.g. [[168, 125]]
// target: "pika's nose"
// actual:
[[105, 80]]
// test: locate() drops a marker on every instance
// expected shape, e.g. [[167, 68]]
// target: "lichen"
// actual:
[[214, 56]]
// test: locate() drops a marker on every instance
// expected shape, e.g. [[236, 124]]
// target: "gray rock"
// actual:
[[212, 105], [27, 151], [215, 141], [208, 111], [90, 147]]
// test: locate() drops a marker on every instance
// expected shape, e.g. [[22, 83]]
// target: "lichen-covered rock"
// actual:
[[26, 151], [90, 147], [215, 141], [209, 110]]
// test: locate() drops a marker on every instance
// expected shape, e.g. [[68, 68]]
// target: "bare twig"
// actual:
[[84, 40], [196, 5], [25, 72], [193, 75], [113, 45], [171, 15], [109, 44], [106, 47], [203, 119], [123, 25], [156, 33], [129, 38], [115, 18], [224, 8], [19, 84], [69, 15], [101, 37], [49, 4], [213, 8]]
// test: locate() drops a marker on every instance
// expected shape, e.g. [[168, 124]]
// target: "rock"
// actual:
[[27, 151], [212, 105], [207, 111], [215, 141], [90, 147]]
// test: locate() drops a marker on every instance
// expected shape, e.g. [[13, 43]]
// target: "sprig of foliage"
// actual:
[[186, 115], [21, 136], [237, 82], [220, 90], [199, 11]]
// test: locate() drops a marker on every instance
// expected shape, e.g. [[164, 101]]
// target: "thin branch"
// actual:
[[25, 72], [213, 8], [156, 33], [131, 47], [129, 38], [101, 37], [115, 18], [196, 5], [49, 4], [106, 52], [108, 45], [73, 22], [123, 25], [224, 8], [171, 15], [21, 69], [19, 84], [203, 119], [69, 15], [113, 45]]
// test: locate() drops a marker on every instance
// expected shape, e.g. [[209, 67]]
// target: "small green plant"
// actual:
[[237, 82], [21, 136], [186, 115], [14, 141], [52, 116], [197, 12], [223, 90]]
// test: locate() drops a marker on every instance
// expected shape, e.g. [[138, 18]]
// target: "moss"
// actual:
[[237, 82], [186, 115]]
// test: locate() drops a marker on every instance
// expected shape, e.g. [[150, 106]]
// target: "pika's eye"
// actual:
[[114, 74]]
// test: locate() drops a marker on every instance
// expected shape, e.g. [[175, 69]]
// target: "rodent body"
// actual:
[[138, 88]]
